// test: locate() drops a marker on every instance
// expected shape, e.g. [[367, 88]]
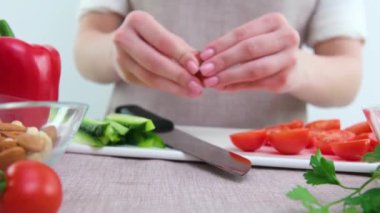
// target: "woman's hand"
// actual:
[[260, 54], [149, 55]]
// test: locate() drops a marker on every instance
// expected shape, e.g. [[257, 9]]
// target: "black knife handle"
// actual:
[[162, 124]]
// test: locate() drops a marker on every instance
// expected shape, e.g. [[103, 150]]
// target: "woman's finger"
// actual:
[[162, 40], [124, 64], [262, 25], [278, 83], [253, 70], [154, 62], [250, 49], [146, 78]]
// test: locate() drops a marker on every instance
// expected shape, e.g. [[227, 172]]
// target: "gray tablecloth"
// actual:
[[110, 184]]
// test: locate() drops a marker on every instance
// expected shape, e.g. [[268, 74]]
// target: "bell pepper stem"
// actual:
[[5, 29], [3, 182]]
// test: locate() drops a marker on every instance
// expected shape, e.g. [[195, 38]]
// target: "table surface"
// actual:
[[112, 184]]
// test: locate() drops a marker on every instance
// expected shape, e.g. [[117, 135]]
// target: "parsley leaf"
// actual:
[[308, 200], [350, 210], [369, 200], [323, 171], [302, 194], [373, 156]]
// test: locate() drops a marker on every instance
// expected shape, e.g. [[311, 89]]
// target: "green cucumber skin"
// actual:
[[94, 127], [85, 138], [119, 129], [133, 122]]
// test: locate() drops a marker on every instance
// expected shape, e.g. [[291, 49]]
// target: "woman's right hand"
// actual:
[[149, 55]]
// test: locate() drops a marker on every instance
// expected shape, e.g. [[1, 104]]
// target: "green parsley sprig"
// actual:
[[323, 172]]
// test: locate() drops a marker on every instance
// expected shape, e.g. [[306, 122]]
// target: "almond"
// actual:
[[5, 144], [11, 134], [51, 131], [31, 142], [11, 127], [9, 156]]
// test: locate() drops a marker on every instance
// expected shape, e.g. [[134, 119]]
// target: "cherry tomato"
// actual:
[[289, 141], [290, 125], [351, 150], [331, 124], [322, 139], [31, 187], [249, 141], [371, 136], [359, 128]]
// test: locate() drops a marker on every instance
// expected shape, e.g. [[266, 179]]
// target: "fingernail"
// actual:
[[195, 87], [192, 67], [207, 53], [207, 68], [210, 82]]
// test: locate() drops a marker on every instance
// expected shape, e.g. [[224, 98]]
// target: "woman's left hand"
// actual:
[[260, 54]]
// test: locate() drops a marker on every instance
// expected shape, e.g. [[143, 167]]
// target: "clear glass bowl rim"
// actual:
[[24, 104]]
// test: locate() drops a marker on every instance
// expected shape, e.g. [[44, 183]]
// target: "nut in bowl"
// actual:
[[37, 130]]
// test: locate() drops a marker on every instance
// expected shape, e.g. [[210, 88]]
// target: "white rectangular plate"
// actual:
[[265, 156]]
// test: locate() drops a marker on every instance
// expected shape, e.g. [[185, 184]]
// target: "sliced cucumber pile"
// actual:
[[119, 129]]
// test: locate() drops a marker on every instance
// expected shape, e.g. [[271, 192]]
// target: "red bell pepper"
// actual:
[[27, 71]]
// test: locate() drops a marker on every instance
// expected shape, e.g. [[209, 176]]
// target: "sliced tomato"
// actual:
[[249, 141], [289, 141], [289, 125], [351, 150], [297, 123], [331, 124], [359, 128], [371, 136], [312, 134], [322, 139]]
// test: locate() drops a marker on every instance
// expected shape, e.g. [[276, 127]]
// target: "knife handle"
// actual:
[[161, 124]]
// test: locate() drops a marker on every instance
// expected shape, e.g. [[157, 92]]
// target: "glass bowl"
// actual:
[[37, 130], [372, 115]]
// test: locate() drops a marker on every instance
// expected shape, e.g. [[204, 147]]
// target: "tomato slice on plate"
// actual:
[[331, 124], [289, 141], [351, 150], [359, 128], [323, 139], [249, 141], [289, 125], [371, 136]]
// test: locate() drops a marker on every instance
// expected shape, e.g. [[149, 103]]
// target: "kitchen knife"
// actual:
[[225, 160]]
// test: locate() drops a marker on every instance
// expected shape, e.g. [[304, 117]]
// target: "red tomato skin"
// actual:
[[331, 124], [289, 141], [312, 134], [249, 141], [322, 139], [371, 136], [351, 150], [359, 128], [31, 187], [294, 124]]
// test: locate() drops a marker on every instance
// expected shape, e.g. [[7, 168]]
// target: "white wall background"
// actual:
[[54, 23]]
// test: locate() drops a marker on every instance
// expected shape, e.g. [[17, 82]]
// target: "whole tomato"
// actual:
[[31, 186]]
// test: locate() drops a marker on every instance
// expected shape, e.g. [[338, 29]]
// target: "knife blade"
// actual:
[[213, 155]]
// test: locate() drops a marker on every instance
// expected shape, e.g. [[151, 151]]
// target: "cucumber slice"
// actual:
[[85, 138], [93, 127], [132, 122]]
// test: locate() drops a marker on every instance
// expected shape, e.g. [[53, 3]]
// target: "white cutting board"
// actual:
[[265, 156]]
